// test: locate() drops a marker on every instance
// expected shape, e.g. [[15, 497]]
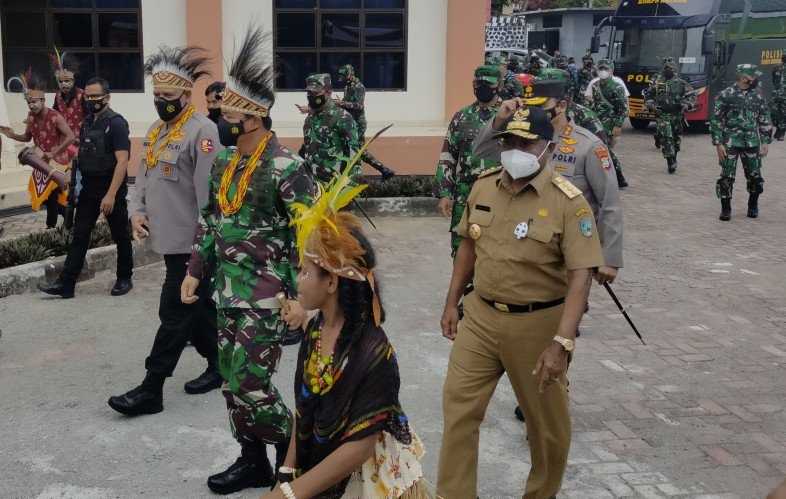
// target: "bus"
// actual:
[[708, 38]]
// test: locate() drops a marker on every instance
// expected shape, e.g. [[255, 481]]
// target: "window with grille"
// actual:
[[319, 36], [105, 36]]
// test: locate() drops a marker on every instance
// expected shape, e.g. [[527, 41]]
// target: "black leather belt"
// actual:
[[523, 309]]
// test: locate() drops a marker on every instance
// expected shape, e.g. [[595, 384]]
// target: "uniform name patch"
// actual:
[[166, 170], [603, 156], [206, 146], [565, 158]]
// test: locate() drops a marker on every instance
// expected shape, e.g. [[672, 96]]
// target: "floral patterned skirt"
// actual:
[[393, 473]]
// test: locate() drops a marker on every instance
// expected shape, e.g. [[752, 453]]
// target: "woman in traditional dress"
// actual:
[[351, 438]]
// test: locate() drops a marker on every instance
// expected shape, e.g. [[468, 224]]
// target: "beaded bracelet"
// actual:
[[287, 490]]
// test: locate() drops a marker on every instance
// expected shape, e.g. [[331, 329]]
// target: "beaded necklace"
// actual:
[[151, 156], [320, 367], [231, 207]]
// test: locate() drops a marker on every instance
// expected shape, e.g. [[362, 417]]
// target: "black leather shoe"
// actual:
[[121, 287], [672, 164], [58, 288], [519, 414], [725, 213], [207, 381], [138, 401], [245, 473]]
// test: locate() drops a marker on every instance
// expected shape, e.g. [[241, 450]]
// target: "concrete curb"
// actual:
[[25, 278]]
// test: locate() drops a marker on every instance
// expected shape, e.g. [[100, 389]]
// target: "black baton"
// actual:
[[622, 309]]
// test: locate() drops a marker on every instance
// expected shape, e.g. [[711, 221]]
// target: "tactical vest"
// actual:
[[95, 160]]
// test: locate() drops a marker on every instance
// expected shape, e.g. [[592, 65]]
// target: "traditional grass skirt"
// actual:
[[393, 473]]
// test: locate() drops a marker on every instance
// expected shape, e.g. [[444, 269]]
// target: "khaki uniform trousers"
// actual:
[[490, 343]]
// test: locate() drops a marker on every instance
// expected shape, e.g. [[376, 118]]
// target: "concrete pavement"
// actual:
[[697, 413]]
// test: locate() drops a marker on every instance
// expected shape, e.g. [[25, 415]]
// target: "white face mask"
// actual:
[[603, 74], [520, 164]]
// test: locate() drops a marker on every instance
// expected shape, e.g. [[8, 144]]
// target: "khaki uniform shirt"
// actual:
[[172, 193], [581, 157], [525, 241]]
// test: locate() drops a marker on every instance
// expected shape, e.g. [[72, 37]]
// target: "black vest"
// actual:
[[95, 158]]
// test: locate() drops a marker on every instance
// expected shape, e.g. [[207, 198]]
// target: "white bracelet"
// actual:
[[287, 490], [286, 470]]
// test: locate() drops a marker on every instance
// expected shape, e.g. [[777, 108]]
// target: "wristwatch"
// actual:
[[568, 345]]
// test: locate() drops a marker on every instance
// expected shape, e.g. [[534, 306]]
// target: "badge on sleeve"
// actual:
[[585, 226], [206, 145], [474, 231], [603, 156], [521, 230]]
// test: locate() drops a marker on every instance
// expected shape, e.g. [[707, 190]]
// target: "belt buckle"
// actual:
[[501, 307]]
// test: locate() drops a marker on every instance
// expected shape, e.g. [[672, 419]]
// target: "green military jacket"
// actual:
[[741, 119], [354, 102], [670, 96], [251, 253], [610, 103], [330, 139]]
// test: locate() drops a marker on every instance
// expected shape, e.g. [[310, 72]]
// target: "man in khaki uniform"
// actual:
[[530, 243]]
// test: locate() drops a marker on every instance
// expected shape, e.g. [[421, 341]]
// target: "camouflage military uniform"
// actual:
[[458, 168], [741, 123], [610, 104], [253, 254], [354, 102], [330, 137], [588, 120], [670, 98], [511, 87], [779, 100]]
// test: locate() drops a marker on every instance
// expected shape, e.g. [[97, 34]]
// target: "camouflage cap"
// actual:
[[604, 64], [487, 73], [318, 81], [346, 70], [669, 62], [749, 70], [495, 60], [550, 83], [529, 123]]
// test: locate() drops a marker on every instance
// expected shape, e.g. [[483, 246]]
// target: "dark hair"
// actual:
[[35, 82], [97, 80], [356, 298], [216, 86]]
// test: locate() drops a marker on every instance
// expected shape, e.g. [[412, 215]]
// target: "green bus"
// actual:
[[707, 37]]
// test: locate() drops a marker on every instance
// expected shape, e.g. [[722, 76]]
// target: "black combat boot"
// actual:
[[672, 164], [207, 381], [251, 469], [780, 133], [621, 180], [753, 206], [147, 398], [725, 213], [59, 288], [657, 141]]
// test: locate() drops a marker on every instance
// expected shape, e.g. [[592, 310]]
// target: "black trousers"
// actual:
[[53, 209], [93, 191], [181, 322]]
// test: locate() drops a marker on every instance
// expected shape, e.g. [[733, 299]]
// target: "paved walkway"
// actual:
[[697, 413]]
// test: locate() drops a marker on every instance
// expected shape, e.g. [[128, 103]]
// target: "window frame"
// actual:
[[361, 49], [96, 50]]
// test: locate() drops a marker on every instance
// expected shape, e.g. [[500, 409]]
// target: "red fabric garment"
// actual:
[[72, 111], [46, 136]]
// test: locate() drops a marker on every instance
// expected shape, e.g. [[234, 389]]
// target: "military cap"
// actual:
[[604, 63], [496, 60], [551, 82], [318, 81], [669, 62], [346, 70], [487, 73], [587, 57], [749, 70], [529, 123]]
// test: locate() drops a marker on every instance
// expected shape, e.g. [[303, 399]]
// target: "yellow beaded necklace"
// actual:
[[151, 156], [232, 207], [319, 368]]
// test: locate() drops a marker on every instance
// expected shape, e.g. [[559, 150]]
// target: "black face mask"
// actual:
[[485, 93], [214, 114], [228, 133], [316, 101], [94, 106], [168, 109]]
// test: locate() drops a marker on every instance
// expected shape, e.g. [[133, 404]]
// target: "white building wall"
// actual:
[[421, 106]]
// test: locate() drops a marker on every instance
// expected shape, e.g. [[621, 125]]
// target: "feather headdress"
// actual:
[[63, 61], [28, 82], [177, 67], [251, 77]]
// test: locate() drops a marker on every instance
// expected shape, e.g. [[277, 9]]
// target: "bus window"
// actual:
[[646, 48]]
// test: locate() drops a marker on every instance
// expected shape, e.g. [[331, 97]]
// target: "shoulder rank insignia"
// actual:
[[490, 172], [566, 187]]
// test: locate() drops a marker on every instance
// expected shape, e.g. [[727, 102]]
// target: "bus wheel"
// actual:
[[639, 124]]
